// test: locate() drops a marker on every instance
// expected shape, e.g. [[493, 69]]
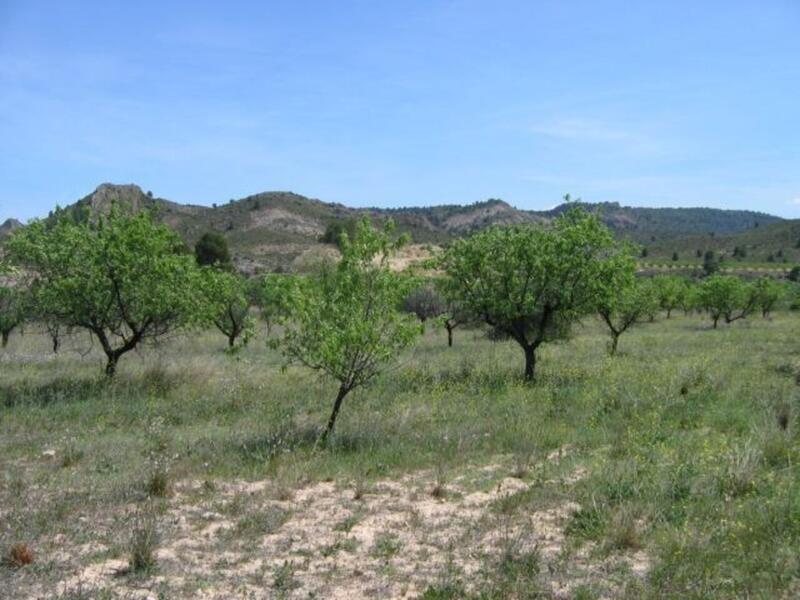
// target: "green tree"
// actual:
[[670, 290], [227, 305], [532, 282], [335, 230], [455, 315], [212, 249], [690, 299], [710, 263], [125, 279], [345, 319], [12, 311], [767, 293], [726, 296], [629, 302]]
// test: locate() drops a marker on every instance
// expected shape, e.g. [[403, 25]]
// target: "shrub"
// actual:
[[143, 541]]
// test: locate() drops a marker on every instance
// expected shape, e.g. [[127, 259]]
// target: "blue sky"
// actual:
[[672, 103]]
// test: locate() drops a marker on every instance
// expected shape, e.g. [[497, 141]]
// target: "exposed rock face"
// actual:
[[8, 226]]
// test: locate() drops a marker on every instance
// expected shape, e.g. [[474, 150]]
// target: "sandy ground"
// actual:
[[387, 539]]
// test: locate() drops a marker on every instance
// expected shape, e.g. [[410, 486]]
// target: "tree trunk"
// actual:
[[111, 365], [336, 406], [614, 341], [715, 322], [231, 340], [56, 344], [530, 362], [449, 335], [4, 341], [669, 312]]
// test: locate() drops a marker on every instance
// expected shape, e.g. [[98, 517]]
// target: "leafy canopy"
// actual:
[[12, 310], [630, 302], [725, 296], [532, 282], [125, 278], [212, 249], [227, 305], [345, 320]]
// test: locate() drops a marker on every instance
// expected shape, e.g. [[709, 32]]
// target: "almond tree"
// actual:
[[532, 282], [671, 290], [767, 293], [125, 279], [629, 302], [12, 311], [344, 320], [726, 296], [227, 305]]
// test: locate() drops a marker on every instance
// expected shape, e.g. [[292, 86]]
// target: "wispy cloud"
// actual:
[[795, 201], [598, 132]]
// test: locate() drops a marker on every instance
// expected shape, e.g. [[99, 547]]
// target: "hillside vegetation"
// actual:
[[774, 244], [281, 230]]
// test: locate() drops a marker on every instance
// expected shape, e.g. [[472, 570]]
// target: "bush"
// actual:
[[143, 541]]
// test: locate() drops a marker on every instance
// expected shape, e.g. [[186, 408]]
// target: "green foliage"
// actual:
[[671, 291], [629, 302], [767, 293], [726, 296], [344, 320], [13, 302], [227, 305], [531, 282], [336, 229], [125, 279], [710, 263], [212, 249]]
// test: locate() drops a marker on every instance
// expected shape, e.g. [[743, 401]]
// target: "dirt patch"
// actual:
[[388, 539]]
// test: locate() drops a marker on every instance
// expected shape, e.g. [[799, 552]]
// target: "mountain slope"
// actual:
[[280, 230], [771, 243]]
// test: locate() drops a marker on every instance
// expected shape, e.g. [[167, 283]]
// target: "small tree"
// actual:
[[125, 279], [767, 293], [726, 296], [689, 301], [532, 282], [335, 230], [345, 319], [212, 249], [629, 302], [455, 315], [12, 311], [710, 263], [227, 305], [670, 290], [425, 302]]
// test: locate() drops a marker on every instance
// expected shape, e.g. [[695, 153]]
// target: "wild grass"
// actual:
[[689, 441]]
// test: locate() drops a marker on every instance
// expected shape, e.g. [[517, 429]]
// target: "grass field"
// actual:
[[668, 471]]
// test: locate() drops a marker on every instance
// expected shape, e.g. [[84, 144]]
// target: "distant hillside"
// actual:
[[8, 226], [281, 230], [774, 243], [646, 225]]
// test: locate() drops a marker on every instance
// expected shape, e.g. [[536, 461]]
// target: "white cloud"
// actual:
[[795, 201], [590, 131]]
